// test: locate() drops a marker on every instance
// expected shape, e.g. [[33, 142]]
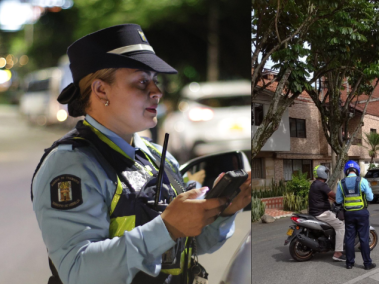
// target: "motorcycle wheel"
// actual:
[[372, 243], [300, 252], [373, 239]]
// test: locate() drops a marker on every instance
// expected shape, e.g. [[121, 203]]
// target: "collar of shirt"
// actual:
[[139, 144], [124, 146], [352, 175]]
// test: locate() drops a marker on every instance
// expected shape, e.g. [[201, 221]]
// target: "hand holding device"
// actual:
[[228, 186]]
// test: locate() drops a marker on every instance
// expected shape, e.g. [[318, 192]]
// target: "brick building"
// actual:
[[307, 148]]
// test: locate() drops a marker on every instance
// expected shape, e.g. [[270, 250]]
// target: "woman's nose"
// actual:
[[155, 92]]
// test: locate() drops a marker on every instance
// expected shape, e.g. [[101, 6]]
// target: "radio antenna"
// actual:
[[160, 173]]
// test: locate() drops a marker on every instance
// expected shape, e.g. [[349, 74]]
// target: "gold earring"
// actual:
[[107, 103]]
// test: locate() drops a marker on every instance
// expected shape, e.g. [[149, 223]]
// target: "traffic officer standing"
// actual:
[[354, 192]]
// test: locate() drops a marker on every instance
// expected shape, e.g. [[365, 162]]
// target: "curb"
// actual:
[[281, 216]]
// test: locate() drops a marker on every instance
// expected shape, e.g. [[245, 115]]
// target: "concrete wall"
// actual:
[[280, 139], [269, 172]]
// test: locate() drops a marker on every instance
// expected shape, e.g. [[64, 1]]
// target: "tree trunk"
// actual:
[[212, 71], [341, 160], [272, 119]]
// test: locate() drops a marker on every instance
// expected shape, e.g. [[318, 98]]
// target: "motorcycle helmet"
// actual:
[[351, 166], [321, 171]]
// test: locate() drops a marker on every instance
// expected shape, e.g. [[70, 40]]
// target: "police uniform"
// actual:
[[91, 191], [352, 192]]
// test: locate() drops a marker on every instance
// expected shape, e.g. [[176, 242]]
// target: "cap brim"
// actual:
[[152, 61]]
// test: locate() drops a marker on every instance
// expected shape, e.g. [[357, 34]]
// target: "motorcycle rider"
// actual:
[[319, 206], [354, 192]]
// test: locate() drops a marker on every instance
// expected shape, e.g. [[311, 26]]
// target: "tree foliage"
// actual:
[[279, 31], [178, 30], [339, 40], [348, 58], [372, 139]]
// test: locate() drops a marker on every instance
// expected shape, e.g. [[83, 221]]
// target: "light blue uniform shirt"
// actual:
[[350, 183], [78, 239]]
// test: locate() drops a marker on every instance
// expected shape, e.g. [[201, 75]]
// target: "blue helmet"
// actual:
[[351, 166]]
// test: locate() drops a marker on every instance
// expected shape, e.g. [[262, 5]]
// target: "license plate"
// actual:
[[290, 232], [374, 183], [236, 127]]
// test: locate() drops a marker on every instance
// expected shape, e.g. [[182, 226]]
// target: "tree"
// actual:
[[279, 31], [179, 31], [342, 47], [372, 139], [346, 49]]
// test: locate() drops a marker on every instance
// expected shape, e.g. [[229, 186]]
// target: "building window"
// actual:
[[297, 128], [373, 130], [294, 167], [257, 114], [356, 141], [257, 168]]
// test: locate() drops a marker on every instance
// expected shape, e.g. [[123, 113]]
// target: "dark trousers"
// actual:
[[357, 222]]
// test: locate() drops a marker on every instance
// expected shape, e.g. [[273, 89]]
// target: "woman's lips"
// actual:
[[152, 110]]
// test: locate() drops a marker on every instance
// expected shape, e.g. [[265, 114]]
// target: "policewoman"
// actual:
[[94, 188], [354, 192]]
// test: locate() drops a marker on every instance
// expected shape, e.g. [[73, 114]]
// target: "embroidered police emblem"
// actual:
[[142, 35], [65, 192]]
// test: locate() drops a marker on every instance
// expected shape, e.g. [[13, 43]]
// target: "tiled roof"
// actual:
[[372, 108]]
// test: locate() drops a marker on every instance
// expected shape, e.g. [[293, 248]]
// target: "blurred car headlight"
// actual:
[[62, 115], [200, 114]]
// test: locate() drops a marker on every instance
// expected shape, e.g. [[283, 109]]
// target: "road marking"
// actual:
[[375, 277], [359, 278]]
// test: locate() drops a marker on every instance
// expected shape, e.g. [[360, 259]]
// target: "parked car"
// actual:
[[373, 177], [39, 101], [212, 117], [239, 268]]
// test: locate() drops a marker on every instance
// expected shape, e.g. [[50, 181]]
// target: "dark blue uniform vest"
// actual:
[[131, 203]]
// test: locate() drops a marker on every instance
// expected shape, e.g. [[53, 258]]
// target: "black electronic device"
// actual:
[[228, 186], [160, 173]]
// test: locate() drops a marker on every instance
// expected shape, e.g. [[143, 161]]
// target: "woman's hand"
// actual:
[[187, 215], [241, 200]]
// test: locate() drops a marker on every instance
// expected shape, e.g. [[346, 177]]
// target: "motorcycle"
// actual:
[[309, 235]]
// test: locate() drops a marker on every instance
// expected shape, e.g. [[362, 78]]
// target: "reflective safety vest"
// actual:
[[135, 190], [353, 199]]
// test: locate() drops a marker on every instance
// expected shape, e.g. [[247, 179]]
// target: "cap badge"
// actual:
[[142, 35]]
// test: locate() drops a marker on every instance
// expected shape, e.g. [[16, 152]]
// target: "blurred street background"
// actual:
[[23, 256], [206, 107]]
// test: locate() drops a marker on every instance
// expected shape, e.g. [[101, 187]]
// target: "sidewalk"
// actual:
[[277, 213]]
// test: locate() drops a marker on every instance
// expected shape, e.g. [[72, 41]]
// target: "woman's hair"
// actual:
[[83, 102]]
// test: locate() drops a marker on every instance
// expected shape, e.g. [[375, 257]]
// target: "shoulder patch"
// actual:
[[66, 192]]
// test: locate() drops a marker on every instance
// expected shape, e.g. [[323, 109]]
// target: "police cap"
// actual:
[[122, 46]]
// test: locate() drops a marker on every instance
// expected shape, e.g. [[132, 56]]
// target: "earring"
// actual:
[[107, 103]]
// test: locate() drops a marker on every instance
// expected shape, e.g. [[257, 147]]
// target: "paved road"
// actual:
[[23, 257], [272, 262]]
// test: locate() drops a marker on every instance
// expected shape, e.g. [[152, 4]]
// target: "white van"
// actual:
[[42, 88]]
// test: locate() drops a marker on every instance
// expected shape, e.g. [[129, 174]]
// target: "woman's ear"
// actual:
[[99, 88]]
